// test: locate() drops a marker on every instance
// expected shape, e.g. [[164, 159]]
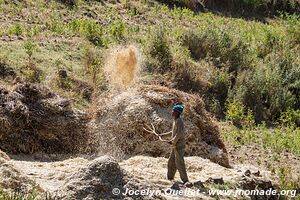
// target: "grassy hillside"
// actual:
[[225, 59], [243, 58]]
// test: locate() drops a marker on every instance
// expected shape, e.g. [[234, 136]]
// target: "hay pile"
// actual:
[[13, 181], [120, 118], [6, 71], [4, 156], [34, 119]]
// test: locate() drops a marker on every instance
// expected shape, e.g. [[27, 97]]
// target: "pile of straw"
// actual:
[[120, 119], [34, 119]]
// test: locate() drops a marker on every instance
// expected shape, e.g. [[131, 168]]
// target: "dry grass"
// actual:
[[120, 118], [35, 119]]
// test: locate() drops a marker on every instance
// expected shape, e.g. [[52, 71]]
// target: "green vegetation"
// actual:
[[224, 59], [281, 139], [278, 141], [33, 195], [248, 72], [245, 7]]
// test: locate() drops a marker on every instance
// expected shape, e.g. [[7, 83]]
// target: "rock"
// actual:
[[62, 73], [256, 172], [188, 184], [175, 186], [251, 183], [215, 180], [198, 184], [96, 181], [255, 183], [247, 172]]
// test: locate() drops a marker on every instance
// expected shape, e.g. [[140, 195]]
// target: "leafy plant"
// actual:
[[237, 114], [16, 30], [30, 47], [118, 29], [290, 117], [159, 52], [93, 32]]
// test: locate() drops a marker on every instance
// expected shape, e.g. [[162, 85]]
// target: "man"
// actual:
[[176, 159]]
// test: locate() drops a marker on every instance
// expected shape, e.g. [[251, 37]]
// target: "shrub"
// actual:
[[272, 7], [239, 115], [262, 90], [219, 45], [117, 29], [29, 47], [93, 32], [158, 49], [293, 28], [16, 30], [194, 5], [217, 90], [194, 43], [93, 66], [261, 7], [31, 73], [290, 118]]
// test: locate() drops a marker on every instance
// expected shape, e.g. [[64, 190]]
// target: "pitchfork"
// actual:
[[153, 130]]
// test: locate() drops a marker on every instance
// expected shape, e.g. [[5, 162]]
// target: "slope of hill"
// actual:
[[242, 58]]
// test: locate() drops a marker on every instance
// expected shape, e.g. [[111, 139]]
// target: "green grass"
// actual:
[[225, 59], [280, 139]]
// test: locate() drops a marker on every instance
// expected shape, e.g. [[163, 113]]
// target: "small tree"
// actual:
[[31, 72], [29, 47]]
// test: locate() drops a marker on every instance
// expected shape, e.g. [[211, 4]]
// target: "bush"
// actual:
[[290, 118], [221, 46], [262, 7], [194, 5], [93, 66], [159, 52], [31, 73], [117, 29], [269, 7], [239, 115], [262, 90], [30, 47], [16, 30], [293, 28], [217, 91], [93, 32]]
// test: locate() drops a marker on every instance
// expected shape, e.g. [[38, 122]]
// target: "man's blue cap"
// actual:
[[178, 108]]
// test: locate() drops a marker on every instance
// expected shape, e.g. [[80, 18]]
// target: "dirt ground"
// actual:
[[145, 171]]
